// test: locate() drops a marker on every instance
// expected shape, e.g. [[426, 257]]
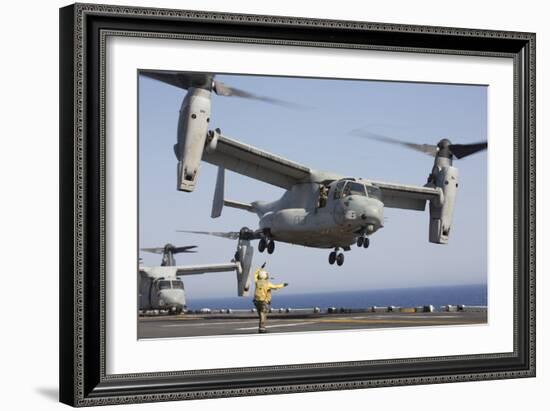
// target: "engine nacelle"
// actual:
[[441, 217], [245, 252], [192, 130]]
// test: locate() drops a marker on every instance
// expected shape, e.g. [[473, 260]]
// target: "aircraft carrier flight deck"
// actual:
[[228, 322]]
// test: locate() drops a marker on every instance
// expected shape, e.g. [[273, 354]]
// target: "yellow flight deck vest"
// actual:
[[263, 292], [263, 288]]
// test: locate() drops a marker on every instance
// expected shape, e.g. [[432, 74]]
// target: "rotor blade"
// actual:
[[154, 250], [180, 79], [222, 89], [184, 249], [429, 149], [465, 150], [232, 235]]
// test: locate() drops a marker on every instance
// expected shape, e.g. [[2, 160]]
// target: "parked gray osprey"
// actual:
[[319, 209], [160, 288]]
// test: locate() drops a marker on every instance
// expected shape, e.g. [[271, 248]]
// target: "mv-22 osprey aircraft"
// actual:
[[319, 209], [161, 288]]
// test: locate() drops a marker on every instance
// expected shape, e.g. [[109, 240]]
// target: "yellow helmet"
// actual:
[[262, 275]]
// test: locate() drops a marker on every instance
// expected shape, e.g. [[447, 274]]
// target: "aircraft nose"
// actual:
[[173, 297], [370, 211]]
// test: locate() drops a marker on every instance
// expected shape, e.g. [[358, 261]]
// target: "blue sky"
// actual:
[[319, 137]]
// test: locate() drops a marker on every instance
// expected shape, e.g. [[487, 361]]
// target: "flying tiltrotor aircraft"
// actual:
[[160, 287], [319, 209]]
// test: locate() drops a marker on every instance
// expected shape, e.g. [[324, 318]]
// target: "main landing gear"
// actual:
[[266, 243], [336, 257], [363, 241]]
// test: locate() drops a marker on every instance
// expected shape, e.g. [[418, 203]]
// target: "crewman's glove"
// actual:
[[285, 284]]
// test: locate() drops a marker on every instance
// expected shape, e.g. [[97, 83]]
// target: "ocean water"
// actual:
[[403, 297]]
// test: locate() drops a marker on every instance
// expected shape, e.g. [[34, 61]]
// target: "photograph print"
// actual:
[[272, 204]]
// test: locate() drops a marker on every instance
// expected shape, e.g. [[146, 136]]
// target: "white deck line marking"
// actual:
[[278, 325], [403, 316], [183, 324]]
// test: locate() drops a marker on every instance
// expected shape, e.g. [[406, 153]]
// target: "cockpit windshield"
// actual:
[[338, 190], [374, 192], [178, 284], [354, 189], [347, 188], [167, 284], [164, 284]]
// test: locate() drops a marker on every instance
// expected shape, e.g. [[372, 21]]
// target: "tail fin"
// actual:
[[217, 204], [219, 201]]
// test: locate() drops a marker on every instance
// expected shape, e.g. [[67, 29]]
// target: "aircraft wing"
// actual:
[[176, 271], [255, 163], [408, 196], [203, 269]]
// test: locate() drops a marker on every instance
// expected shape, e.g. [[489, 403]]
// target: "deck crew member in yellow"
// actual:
[[262, 295]]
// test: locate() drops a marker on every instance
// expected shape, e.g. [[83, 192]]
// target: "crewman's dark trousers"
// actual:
[[263, 308]]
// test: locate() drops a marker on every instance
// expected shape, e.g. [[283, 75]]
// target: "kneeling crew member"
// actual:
[[262, 295]]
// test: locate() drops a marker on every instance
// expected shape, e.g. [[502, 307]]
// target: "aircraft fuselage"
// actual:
[[299, 218]]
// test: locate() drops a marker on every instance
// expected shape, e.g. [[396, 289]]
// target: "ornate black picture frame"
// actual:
[[83, 30]]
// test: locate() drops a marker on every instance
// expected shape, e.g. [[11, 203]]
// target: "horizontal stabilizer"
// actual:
[[218, 201], [239, 205]]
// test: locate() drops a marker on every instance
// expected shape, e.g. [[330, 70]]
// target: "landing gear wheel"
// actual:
[[271, 246], [340, 259], [332, 258], [366, 242], [262, 245], [360, 241]]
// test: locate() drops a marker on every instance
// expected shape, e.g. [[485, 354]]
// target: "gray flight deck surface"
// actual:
[[195, 325]]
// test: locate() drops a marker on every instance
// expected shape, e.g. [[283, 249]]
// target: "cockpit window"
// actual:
[[164, 284], [374, 192], [354, 189], [177, 284], [338, 190]]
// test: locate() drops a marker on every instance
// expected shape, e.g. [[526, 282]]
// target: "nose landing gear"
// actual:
[[336, 257]]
